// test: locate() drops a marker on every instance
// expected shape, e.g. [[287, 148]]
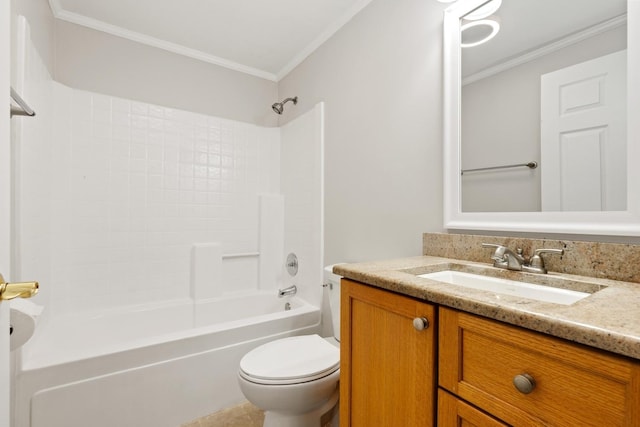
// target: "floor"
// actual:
[[244, 415]]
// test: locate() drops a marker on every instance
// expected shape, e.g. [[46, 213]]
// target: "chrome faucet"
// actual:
[[291, 290], [504, 257]]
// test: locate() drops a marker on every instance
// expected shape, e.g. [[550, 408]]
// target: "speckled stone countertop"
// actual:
[[608, 319]]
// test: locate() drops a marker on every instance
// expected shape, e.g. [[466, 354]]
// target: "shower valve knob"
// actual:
[[292, 264]]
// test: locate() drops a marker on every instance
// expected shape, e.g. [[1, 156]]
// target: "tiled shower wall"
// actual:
[[135, 185]]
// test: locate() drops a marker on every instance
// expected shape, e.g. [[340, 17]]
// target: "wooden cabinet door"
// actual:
[[387, 371], [453, 412]]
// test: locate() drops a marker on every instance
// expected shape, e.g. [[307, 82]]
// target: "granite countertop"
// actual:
[[609, 319]]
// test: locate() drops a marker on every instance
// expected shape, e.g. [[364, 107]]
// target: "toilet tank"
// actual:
[[333, 285]]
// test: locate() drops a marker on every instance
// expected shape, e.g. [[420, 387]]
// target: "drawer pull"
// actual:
[[420, 323], [524, 383]]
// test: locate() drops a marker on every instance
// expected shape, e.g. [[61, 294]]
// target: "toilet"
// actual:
[[295, 379]]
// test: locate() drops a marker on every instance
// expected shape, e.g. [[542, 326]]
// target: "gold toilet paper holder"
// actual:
[[19, 289]]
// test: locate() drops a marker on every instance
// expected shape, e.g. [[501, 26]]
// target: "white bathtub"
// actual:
[[155, 366]]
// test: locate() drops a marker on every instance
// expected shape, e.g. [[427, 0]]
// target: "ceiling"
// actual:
[[262, 38], [527, 25]]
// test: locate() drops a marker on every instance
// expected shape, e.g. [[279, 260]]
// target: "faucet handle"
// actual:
[[499, 253], [548, 251], [490, 245], [498, 257], [537, 262]]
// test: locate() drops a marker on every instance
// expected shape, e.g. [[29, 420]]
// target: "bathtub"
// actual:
[[159, 365]]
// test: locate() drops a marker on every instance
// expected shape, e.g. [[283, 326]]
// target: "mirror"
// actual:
[[498, 96], [546, 51]]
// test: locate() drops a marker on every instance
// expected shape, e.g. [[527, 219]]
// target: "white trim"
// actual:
[[548, 48], [323, 37], [60, 13], [6, 239], [623, 223], [55, 7], [484, 11]]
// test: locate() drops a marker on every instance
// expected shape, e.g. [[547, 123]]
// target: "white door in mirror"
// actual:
[[583, 136]]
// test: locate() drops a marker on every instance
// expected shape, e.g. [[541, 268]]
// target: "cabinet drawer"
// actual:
[[574, 385], [453, 412]]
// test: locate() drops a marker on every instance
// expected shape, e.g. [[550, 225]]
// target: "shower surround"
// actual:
[[138, 192], [124, 209]]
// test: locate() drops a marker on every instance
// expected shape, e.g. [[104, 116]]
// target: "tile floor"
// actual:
[[243, 415]]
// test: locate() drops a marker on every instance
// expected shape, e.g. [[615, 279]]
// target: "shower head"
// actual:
[[278, 107]]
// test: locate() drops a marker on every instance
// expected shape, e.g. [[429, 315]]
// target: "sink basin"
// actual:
[[508, 287]]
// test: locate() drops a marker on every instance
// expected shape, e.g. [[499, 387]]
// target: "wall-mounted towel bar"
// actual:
[[241, 255], [530, 165], [23, 110]]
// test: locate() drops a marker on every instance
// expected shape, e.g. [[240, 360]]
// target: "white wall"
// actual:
[[380, 77], [501, 126], [99, 62]]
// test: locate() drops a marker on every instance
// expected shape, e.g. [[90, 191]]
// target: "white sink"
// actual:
[[508, 287]]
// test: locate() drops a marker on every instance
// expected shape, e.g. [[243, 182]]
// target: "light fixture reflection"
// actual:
[[494, 27]]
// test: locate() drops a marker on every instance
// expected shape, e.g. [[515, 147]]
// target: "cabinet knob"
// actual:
[[524, 383], [420, 323]]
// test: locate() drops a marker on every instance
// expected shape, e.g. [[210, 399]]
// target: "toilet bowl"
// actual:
[[295, 379]]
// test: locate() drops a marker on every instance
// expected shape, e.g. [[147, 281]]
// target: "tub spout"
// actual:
[[291, 290]]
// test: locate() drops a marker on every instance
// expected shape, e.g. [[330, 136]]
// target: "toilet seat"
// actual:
[[290, 360]]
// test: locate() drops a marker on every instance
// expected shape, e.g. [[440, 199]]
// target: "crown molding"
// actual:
[[98, 25], [60, 13]]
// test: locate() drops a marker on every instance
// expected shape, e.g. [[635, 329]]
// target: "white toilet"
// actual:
[[295, 379]]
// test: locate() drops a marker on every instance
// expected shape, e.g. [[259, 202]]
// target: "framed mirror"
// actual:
[[514, 158]]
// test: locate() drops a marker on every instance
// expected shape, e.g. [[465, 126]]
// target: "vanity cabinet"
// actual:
[[387, 360], [388, 370], [559, 383]]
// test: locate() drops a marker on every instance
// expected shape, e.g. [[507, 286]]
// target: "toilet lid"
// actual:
[[290, 360]]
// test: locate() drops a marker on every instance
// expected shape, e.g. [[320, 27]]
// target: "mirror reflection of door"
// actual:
[[501, 94], [583, 136]]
